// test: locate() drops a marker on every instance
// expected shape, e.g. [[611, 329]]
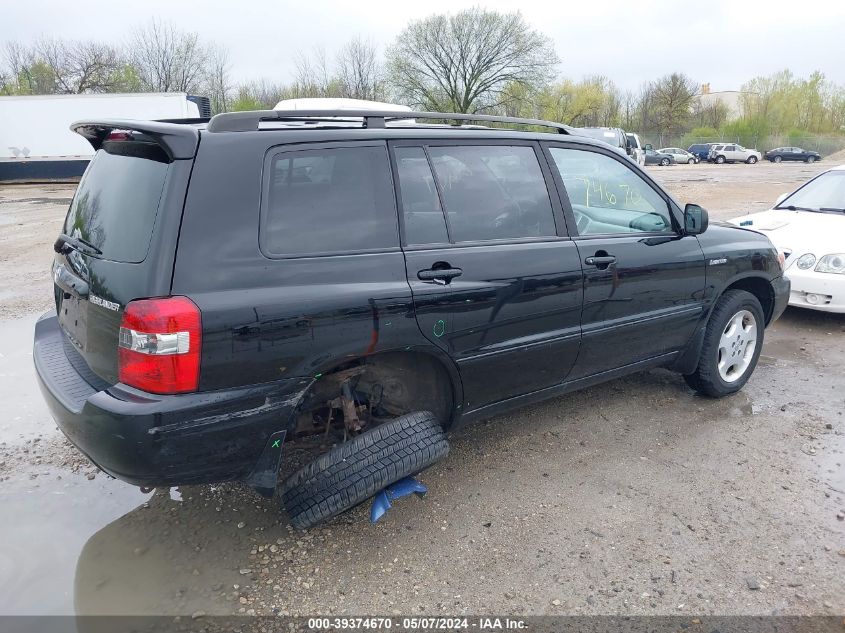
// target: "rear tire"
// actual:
[[354, 471], [720, 160], [664, 162], [725, 345]]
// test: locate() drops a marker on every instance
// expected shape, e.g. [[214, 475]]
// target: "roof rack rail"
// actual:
[[250, 121]]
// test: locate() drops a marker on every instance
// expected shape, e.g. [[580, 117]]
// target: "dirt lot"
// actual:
[[634, 497]]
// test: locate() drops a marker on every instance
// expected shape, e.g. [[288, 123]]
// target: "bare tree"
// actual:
[[80, 67], [672, 98], [359, 71], [313, 77], [218, 86], [26, 73], [712, 113], [465, 61], [168, 60], [629, 109]]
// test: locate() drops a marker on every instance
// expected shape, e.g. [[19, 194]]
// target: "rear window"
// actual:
[[116, 204], [331, 200]]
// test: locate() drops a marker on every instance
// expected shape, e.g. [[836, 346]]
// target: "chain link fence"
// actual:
[[823, 144]]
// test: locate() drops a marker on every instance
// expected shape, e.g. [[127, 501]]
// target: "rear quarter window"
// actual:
[[116, 204], [324, 201]]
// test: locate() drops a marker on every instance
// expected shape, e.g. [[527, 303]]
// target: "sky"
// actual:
[[723, 42]]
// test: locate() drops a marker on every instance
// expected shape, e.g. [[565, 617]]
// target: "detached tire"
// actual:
[[732, 344], [353, 472]]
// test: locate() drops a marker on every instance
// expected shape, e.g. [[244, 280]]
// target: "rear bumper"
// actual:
[[157, 440]]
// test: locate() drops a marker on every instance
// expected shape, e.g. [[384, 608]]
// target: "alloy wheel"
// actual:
[[737, 345]]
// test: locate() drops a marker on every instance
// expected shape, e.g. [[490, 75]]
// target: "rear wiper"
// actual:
[[832, 209], [78, 243]]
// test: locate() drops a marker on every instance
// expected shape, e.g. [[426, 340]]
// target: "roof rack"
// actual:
[[250, 121]]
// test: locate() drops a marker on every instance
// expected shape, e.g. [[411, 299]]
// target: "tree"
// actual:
[[168, 60], [672, 98], [27, 74], [465, 61], [359, 71], [712, 114], [217, 83], [80, 67]]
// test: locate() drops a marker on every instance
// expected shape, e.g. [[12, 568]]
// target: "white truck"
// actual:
[[36, 143]]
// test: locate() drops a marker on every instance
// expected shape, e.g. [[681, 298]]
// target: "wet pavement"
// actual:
[[633, 497]]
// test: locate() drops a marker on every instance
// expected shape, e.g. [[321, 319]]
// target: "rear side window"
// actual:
[[493, 192], [116, 204], [328, 201], [423, 216]]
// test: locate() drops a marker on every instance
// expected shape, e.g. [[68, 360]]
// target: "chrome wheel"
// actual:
[[737, 346]]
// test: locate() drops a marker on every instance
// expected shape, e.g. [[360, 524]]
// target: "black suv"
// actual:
[[358, 283]]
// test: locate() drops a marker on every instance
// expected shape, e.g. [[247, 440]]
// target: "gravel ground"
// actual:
[[633, 497]]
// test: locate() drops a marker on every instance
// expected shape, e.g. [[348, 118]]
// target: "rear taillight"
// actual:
[[159, 345]]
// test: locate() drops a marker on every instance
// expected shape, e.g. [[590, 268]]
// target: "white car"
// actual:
[[732, 153], [682, 156], [808, 227]]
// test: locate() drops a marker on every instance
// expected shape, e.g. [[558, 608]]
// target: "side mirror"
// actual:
[[781, 198], [695, 219], [649, 146]]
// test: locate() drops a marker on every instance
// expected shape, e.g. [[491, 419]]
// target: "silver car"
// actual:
[[681, 156], [733, 153]]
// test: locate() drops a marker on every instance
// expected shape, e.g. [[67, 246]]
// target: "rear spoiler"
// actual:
[[178, 140]]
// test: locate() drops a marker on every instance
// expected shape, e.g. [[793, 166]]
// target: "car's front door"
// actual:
[[496, 281], [643, 279]]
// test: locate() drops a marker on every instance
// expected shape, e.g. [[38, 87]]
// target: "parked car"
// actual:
[[655, 157], [733, 153], [679, 155], [636, 148], [224, 290], [807, 228], [701, 150], [613, 136], [780, 154]]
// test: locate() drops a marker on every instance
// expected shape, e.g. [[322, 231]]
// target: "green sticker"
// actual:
[[277, 443], [439, 328]]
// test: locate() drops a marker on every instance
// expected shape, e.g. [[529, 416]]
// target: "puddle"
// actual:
[[24, 414], [52, 521], [99, 546]]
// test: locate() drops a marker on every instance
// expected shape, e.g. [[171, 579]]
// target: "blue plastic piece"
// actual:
[[402, 488]]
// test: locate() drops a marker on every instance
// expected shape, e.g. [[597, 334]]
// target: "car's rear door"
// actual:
[[644, 280], [496, 280], [117, 244]]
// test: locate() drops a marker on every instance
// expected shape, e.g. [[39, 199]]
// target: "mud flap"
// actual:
[[266, 470]]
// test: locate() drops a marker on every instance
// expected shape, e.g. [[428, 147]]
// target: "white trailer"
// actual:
[[36, 142]]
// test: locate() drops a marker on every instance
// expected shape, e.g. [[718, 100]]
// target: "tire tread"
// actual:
[[355, 470]]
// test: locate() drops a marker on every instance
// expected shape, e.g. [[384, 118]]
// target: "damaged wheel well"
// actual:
[[366, 391]]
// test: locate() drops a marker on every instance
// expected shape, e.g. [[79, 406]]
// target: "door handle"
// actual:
[[600, 260], [440, 275]]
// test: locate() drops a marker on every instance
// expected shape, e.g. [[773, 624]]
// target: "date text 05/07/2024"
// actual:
[[417, 624]]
